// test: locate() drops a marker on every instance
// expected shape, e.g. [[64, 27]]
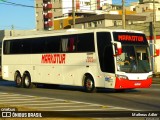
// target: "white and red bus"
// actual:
[[95, 58]]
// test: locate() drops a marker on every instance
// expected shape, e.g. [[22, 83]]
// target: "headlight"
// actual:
[[122, 77]]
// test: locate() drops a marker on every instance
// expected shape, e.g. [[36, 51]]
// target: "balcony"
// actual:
[[48, 24], [47, 6], [48, 15]]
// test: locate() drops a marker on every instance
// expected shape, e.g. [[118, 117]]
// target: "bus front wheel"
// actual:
[[89, 85], [27, 80], [18, 80]]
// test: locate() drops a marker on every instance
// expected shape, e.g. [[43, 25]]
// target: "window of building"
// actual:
[[61, 25], [99, 22], [87, 3], [143, 10], [94, 24], [37, 14], [89, 24], [146, 8], [115, 23], [134, 9]]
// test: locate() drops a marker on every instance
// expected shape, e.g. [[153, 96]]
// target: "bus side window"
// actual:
[[52, 44], [85, 42], [6, 49], [105, 52], [68, 44], [64, 42], [25, 47], [38, 45], [71, 46]]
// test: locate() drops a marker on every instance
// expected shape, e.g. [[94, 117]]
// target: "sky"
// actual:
[[21, 17]]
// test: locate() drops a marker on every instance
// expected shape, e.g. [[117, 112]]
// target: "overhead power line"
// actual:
[[22, 5], [30, 6]]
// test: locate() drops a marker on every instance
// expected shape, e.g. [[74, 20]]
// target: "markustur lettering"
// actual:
[[130, 38], [53, 58]]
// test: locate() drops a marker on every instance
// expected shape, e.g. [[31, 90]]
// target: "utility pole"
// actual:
[[12, 30], [123, 15], [73, 13], [154, 21], [154, 33]]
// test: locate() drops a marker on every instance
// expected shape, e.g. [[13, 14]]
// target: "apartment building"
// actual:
[[48, 11], [145, 7], [105, 20]]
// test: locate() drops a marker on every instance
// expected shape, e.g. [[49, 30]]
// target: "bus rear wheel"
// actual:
[[89, 85], [27, 80], [18, 80]]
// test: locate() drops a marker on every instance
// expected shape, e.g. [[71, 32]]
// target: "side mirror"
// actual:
[[157, 50], [118, 48]]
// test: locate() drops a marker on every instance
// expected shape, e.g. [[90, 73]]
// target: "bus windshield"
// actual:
[[134, 59]]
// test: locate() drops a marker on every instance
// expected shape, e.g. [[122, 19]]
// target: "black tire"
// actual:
[[120, 90], [89, 85], [27, 80], [18, 80]]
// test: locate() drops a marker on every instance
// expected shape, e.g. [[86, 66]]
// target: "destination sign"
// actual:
[[130, 38]]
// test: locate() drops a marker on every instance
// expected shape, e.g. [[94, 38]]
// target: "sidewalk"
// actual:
[[156, 80]]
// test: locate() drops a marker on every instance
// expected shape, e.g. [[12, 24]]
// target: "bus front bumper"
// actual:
[[122, 83]]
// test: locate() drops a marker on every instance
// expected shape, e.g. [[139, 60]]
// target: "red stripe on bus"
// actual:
[[127, 84]]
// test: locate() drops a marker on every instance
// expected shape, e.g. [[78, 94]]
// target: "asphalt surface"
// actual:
[[67, 98]]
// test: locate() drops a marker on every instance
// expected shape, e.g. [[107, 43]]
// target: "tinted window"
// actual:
[[6, 47], [38, 45], [85, 42], [25, 46], [105, 52], [52, 44], [67, 43], [15, 47], [78, 43]]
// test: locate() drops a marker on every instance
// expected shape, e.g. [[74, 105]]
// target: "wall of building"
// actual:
[[145, 9], [57, 11], [39, 15], [62, 23]]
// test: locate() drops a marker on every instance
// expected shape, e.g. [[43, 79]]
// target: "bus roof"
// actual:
[[36, 34]]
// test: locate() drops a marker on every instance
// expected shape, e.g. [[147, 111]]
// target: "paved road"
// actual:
[[68, 98]]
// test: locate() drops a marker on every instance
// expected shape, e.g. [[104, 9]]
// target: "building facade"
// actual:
[[48, 11], [145, 7], [105, 20]]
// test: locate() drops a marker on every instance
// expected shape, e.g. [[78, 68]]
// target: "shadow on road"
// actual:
[[66, 87]]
